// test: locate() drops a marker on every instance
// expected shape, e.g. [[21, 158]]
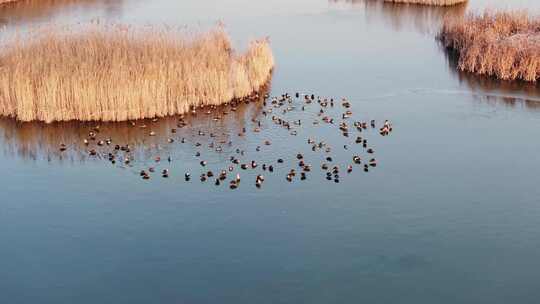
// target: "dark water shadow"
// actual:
[[399, 16], [146, 138], [487, 89], [27, 11]]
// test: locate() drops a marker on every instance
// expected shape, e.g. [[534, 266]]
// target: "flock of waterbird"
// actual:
[[275, 111]]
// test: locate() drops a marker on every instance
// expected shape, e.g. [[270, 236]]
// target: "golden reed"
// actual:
[[115, 72], [429, 2], [505, 45]]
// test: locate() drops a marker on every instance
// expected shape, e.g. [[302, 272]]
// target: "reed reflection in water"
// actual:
[[422, 18], [146, 138], [25, 11], [494, 91]]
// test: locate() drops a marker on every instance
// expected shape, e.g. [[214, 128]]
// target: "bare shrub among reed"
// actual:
[[505, 45], [429, 2], [116, 72]]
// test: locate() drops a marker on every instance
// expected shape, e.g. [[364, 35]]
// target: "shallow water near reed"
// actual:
[[450, 214]]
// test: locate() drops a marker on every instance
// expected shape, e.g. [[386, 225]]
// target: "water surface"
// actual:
[[450, 215]]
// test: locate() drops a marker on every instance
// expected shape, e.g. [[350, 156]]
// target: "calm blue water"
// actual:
[[450, 215]]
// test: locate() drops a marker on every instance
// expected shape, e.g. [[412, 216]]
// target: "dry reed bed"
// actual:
[[116, 73], [505, 45], [429, 2]]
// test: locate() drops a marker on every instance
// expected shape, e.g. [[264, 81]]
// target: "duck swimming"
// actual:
[[285, 113]]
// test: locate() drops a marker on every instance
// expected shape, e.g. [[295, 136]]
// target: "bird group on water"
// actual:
[[277, 112]]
